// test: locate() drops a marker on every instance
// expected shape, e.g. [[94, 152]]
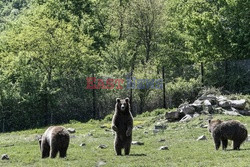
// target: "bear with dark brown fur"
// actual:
[[55, 139], [222, 131], [122, 124]]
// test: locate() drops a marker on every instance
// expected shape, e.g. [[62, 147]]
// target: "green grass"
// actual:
[[184, 150]]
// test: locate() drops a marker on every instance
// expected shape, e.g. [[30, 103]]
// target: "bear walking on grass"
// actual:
[[55, 139], [122, 124], [222, 131]]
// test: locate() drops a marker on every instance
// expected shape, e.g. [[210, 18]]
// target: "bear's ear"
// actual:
[[127, 100], [118, 100], [209, 120]]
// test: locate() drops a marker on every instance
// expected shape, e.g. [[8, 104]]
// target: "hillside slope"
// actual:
[[23, 150]]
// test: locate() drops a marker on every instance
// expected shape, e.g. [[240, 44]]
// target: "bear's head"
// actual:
[[212, 124], [122, 105]]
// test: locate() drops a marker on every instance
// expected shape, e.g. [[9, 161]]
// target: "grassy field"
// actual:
[[23, 150]]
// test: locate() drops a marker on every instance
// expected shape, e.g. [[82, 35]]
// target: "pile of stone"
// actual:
[[209, 104]]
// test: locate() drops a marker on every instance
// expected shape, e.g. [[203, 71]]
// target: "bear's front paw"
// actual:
[[114, 128], [129, 132]]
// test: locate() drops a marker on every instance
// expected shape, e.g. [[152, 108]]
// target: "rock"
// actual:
[[232, 113], [5, 157], [186, 118], [187, 109], [108, 130], [137, 143], [163, 148], [138, 127], [207, 103], [101, 163], [197, 102], [82, 144], [208, 106], [244, 112], [239, 104], [196, 115], [198, 107], [203, 126], [71, 130], [225, 104], [90, 134], [248, 138], [102, 146], [174, 116], [221, 98], [159, 125], [103, 126], [218, 110], [211, 98], [203, 137], [161, 140]]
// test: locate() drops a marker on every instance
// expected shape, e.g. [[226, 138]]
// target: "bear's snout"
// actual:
[[123, 107]]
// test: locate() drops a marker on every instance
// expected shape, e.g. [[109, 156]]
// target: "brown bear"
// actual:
[[122, 124], [55, 139], [222, 131]]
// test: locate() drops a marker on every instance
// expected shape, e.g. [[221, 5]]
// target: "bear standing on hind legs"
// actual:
[[55, 139], [122, 124], [222, 131]]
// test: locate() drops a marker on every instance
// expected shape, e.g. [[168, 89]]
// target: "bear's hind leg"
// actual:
[[118, 149], [224, 144], [63, 153], [53, 152], [127, 148], [236, 145]]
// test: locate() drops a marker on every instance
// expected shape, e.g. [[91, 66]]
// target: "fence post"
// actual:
[[202, 73], [163, 84]]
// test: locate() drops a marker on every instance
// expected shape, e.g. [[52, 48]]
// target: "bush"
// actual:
[[181, 90]]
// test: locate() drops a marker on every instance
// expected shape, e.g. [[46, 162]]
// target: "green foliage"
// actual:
[[108, 118], [181, 90], [49, 48]]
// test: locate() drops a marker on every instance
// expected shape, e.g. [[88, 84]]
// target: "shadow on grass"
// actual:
[[244, 149], [138, 155]]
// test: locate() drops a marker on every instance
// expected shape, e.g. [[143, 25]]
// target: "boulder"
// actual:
[[102, 146], [187, 109], [137, 143], [71, 130], [244, 112], [225, 104], [186, 118], [174, 116], [5, 157], [211, 98], [208, 106], [161, 140], [82, 144], [103, 126], [101, 163], [232, 113], [221, 98], [203, 137], [239, 104], [163, 148]]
